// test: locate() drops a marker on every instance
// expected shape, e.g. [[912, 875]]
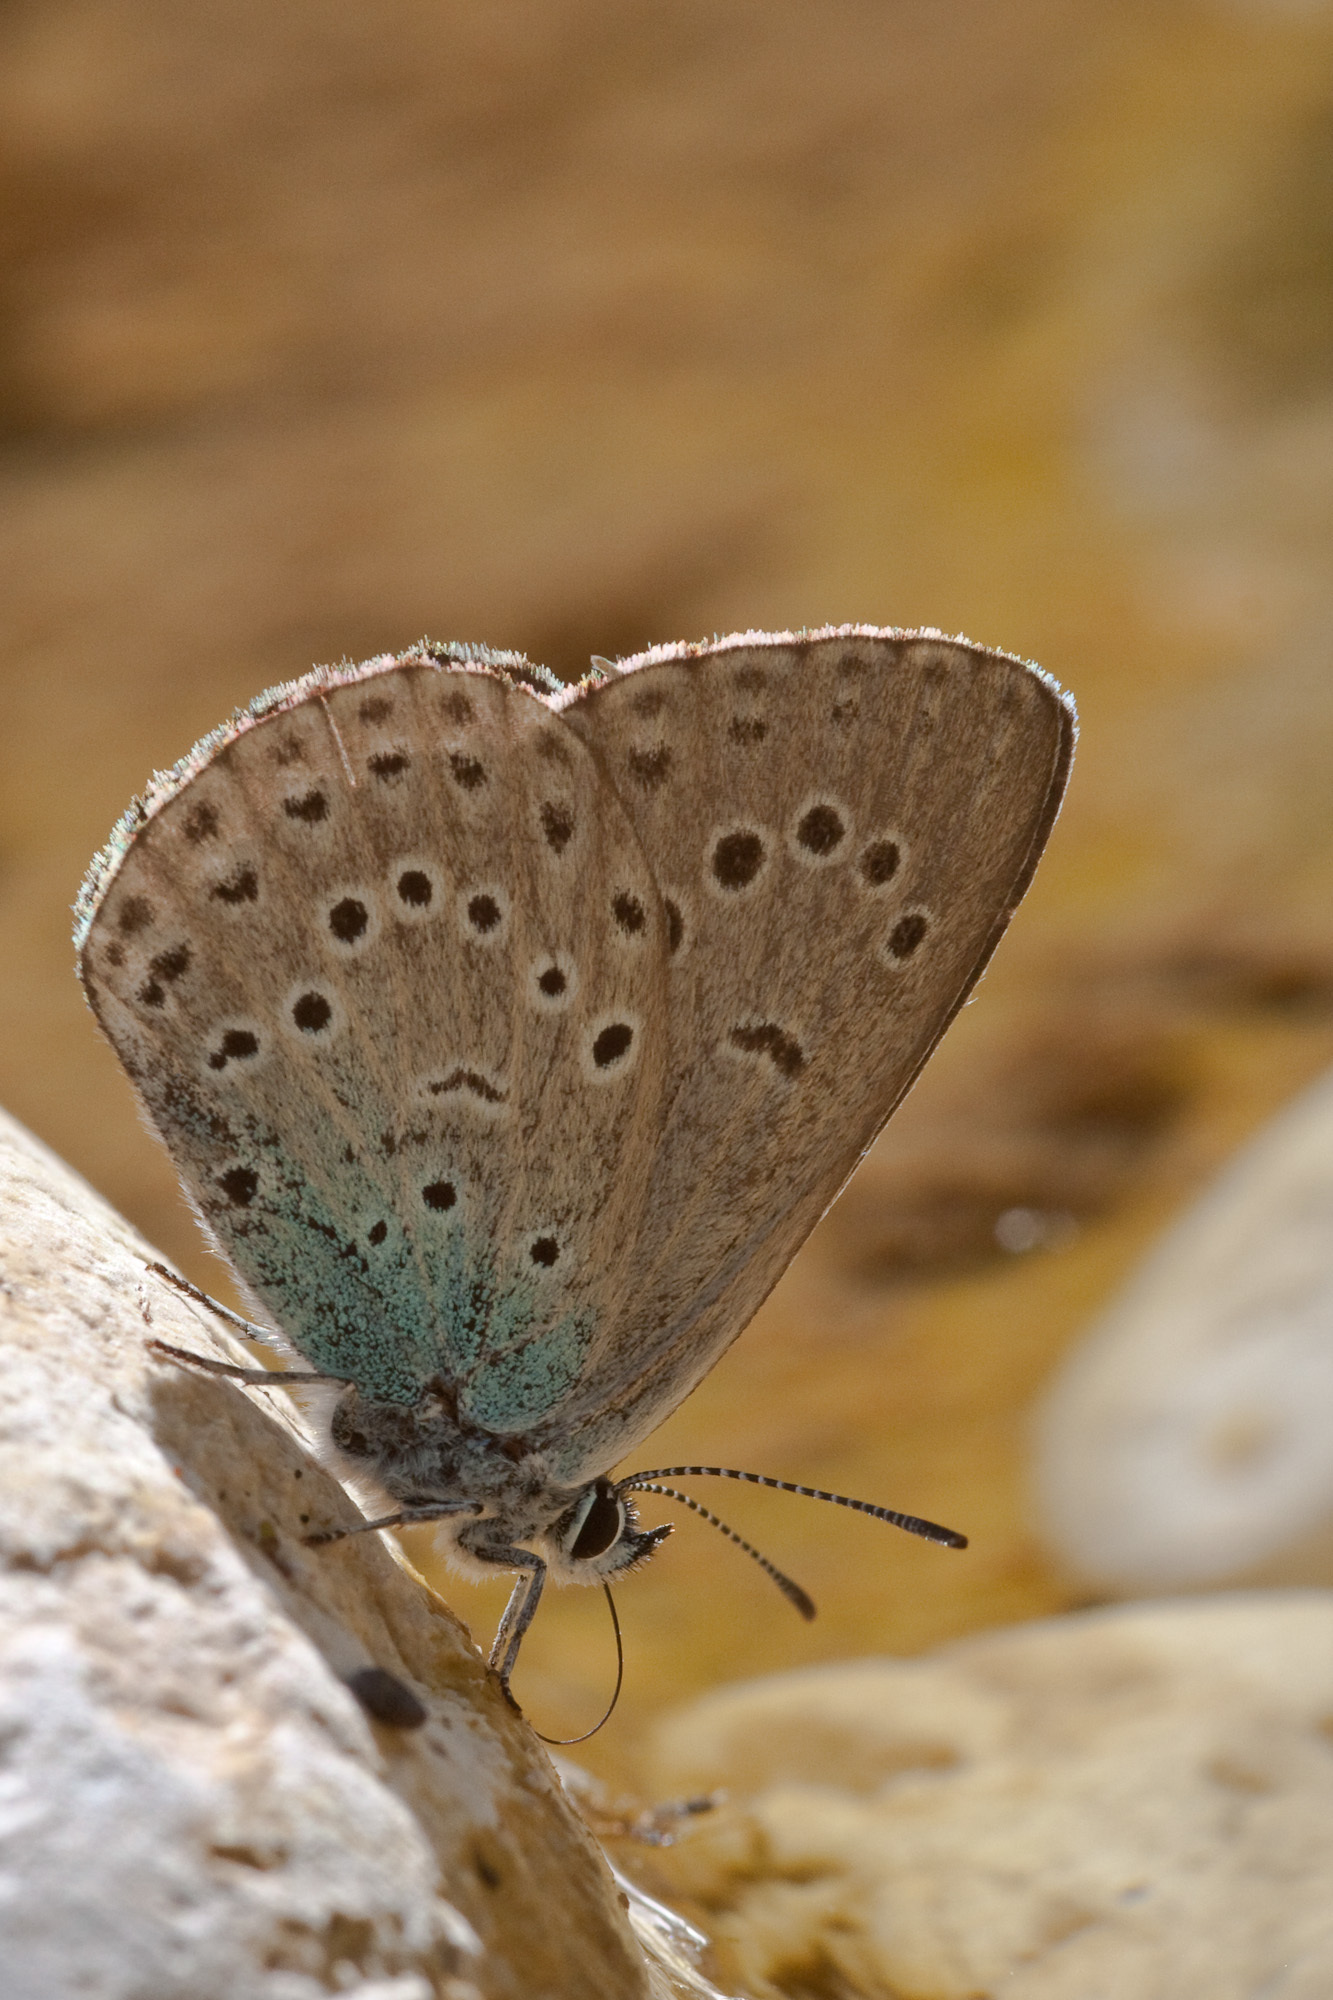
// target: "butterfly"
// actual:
[[510, 1037]]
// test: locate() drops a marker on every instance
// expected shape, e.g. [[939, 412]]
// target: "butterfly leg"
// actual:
[[520, 1610], [235, 1372], [219, 1311]]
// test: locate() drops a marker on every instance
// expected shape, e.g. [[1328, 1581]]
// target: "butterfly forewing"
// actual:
[[841, 827], [388, 973]]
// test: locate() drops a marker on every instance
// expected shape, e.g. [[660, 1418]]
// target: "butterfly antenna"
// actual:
[[911, 1524], [564, 1742], [791, 1591]]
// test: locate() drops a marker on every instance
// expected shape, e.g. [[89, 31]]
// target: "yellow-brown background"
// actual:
[[578, 324]]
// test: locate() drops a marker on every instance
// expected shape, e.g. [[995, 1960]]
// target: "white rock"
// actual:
[[193, 1806], [1189, 1439], [1133, 1804]]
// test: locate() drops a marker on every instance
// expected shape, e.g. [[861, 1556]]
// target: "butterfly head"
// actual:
[[594, 1537]]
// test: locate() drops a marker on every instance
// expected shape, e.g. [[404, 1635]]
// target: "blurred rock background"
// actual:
[[573, 326]]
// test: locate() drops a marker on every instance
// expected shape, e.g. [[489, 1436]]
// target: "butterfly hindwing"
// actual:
[[387, 969]]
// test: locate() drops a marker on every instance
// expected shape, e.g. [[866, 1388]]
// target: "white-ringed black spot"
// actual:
[[821, 830], [629, 913], [880, 862], [544, 1250], [387, 765], [377, 1233], [468, 774], [907, 934], [557, 825], [242, 887], [766, 1038], [240, 1185], [415, 889], [439, 1195], [552, 982], [737, 859], [484, 913], [309, 807], [611, 1045], [312, 1012], [237, 1045], [349, 919]]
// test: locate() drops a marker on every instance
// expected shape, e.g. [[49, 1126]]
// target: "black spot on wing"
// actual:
[[737, 859], [766, 1038], [414, 888], [470, 1080], [650, 766], [612, 1044], [309, 807], [240, 1185], [821, 830], [312, 1013], [557, 825], [201, 822], [237, 1045], [348, 920], [243, 887], [907, 934], [629, 913], [468, 774]]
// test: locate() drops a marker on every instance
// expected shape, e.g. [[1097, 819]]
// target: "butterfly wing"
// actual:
[[386, 965], [515, 1044], [841, 825]]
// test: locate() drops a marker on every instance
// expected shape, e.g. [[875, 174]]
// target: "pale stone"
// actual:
[[1188, 1439], [1133, 1804], [193, 1806]]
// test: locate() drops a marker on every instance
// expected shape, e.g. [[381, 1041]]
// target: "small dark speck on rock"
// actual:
[[387, 1699]]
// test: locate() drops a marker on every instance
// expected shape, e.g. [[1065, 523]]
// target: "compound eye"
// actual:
[[601, 1524]]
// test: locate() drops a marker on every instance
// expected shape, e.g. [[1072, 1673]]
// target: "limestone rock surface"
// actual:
[[194, 1802], [1187, 1441], [1126, 1804]]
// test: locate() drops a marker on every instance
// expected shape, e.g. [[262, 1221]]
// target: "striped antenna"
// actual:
[[791, 1591], [911, 1524]]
